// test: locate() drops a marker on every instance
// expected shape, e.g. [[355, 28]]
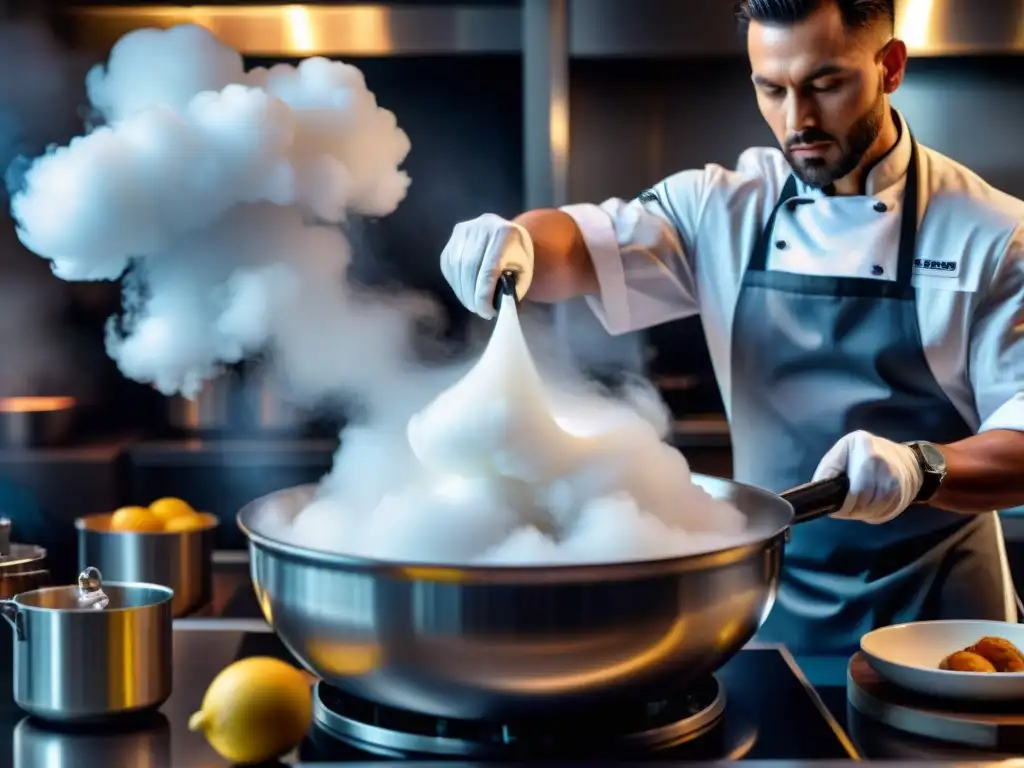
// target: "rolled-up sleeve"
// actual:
[[643, 253], [997, 345]]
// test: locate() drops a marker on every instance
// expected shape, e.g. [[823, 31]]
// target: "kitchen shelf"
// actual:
[[197, 452]]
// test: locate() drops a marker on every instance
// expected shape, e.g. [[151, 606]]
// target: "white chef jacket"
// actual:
[[683, 246]]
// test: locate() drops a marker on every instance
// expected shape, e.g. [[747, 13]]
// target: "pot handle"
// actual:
[[14, 617], [813, 500]]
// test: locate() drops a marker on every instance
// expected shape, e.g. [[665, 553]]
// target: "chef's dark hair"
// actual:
[[856, 13]]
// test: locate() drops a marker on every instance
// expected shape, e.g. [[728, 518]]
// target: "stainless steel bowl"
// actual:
[[78, 661], [497, 642], [182, 560]]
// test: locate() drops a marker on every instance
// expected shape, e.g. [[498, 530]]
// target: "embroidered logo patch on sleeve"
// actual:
[[937, 267]]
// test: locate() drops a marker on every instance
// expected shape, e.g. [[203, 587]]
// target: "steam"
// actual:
[[40, 90], [222, 196]]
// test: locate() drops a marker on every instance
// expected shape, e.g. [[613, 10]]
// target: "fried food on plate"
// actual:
[[990, 654], [966, 661], [1003, 654]]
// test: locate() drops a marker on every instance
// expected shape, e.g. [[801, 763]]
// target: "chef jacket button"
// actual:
[[780, 244], [877, 270], [881, 207]]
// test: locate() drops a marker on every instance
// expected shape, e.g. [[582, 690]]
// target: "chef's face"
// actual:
[[824, 89]]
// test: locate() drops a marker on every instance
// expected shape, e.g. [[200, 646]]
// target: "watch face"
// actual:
[[933, 456]]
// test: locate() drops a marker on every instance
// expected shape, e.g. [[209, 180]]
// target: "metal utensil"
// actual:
[[34, 422], [91, 651], [481, 642], [506, 287], [209, 411], [181, 560], [22, 566]]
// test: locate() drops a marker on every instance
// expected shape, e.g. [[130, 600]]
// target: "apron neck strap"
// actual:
[[759, 258], [908, 221]]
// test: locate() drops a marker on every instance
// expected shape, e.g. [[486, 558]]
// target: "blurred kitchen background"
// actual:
[[509, 104]]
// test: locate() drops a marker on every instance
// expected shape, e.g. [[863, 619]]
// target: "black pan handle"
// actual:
[[813, 500], [506, 287]]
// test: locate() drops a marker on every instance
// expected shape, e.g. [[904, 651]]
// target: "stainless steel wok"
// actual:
[[498, 643]]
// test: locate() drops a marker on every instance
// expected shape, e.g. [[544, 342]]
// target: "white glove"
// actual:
[[478, 252], [884, 476]]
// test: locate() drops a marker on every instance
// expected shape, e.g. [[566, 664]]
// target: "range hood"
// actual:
[[596, 28]]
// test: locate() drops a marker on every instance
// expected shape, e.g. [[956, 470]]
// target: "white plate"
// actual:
[[909, 655]]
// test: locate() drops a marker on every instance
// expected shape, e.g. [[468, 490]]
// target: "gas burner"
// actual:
[[649, 727]]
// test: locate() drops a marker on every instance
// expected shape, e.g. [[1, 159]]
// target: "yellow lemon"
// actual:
[[135, 520], [170, 508], [255, 710], [183, 523]]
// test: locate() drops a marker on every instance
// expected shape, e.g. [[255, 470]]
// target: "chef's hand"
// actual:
[[884, 476], [478, 252]]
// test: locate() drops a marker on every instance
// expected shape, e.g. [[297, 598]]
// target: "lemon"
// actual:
[[170, 508], [255, 710], [183, 523], [135, 520]]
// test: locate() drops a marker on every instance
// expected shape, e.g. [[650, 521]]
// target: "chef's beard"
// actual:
[[817, 171]]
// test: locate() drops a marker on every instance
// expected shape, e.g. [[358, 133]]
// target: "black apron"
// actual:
[[814, 358]]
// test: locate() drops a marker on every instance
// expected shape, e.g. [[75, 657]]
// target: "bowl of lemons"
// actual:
[[167, 542]]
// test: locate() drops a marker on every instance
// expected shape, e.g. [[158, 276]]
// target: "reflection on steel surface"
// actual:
[[297, 31], [596, 28], [651, 28], [489, 642]]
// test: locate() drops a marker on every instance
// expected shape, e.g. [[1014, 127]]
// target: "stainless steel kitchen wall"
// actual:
[[654, 28]]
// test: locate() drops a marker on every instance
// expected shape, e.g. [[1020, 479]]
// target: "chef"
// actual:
[[862, 297]]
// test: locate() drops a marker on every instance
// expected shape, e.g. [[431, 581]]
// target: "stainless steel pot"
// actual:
[[22, 566], [77, 659], [267, 409], [209, 411], [504, 642], [181, 560], [35, 422]]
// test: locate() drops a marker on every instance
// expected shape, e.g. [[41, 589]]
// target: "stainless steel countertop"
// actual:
[[204, 644]]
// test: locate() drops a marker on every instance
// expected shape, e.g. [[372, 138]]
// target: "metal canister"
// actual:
[[22, 566], [209, 411], [34, 422], [92, 651], [180, 560]]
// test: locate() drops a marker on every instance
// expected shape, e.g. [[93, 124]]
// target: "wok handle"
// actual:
[[813, 500]]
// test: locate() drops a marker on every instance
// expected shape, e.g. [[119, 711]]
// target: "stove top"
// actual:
[[622, 729], [752, 725]]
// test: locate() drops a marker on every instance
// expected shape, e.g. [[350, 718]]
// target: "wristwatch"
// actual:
[[933, 469]]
